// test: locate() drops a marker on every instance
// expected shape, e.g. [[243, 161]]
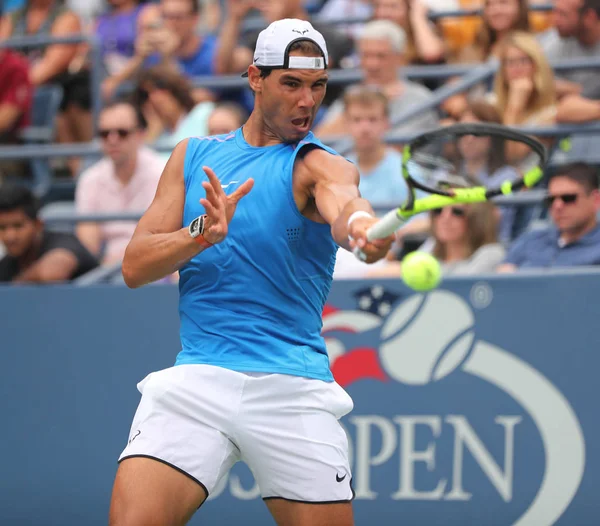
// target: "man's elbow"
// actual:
[[130, 274]]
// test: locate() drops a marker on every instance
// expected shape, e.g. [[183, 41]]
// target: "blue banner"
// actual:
[[475, 404]]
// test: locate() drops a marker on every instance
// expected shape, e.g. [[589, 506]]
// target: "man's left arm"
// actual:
[[58, 264], [332, 182]]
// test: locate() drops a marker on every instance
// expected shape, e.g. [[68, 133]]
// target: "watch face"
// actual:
[[196, 226]]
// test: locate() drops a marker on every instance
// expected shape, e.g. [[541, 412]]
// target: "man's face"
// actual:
[[272, 10], [367, 124], [378, 61], [222, 121], [179, 18], [119, 132], [289, 101], [573, 208], [17, 232], [567, 17]]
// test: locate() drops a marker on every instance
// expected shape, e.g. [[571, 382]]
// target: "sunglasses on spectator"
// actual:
[[567, 199], [455, 211], [123, 133]]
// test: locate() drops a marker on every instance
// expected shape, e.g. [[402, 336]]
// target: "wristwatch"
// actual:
[[196, 230]]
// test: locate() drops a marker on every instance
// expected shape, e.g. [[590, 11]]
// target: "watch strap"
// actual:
[[200, 239]]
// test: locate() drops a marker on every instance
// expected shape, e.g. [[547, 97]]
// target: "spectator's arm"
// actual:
[[90, 234], [430, 47], [506, 268], [57, 58], [515, 256], [57, 265], [9, 115], [575, 109], [230, 57], [5, 27], [565, 87]]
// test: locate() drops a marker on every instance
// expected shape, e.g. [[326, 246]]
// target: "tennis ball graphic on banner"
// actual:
[[404, 355]]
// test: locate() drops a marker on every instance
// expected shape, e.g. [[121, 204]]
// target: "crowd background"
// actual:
[[106, 89]]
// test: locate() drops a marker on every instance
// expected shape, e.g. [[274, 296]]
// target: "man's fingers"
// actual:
[[210, 210], [214, 180], [241, 191], [211, 195]]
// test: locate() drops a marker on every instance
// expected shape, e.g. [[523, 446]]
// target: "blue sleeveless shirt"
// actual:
[[254, 301]]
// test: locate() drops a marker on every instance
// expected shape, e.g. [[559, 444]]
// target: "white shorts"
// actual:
[[202, 419]]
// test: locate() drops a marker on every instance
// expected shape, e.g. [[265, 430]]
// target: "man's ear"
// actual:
[[254, 79]]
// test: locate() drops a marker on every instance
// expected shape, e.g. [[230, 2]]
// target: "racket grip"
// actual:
[[386, 226]]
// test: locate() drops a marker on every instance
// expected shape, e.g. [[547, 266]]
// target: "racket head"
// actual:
[[471, 155]]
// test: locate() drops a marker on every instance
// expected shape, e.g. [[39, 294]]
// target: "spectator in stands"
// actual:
[[574, 240], [366, 114], [334, 10], [15, 105], [524, 89], [169, 107], [424, 44], [381, 49], [576, 34], [124, 180], [225, 118], [464, 239], [167, 35], [33, 253], [499, 18], [53, 64]]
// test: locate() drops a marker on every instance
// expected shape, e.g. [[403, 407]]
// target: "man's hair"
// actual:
[[582, 173], [167, 78], [306, 47], [195, 5], [366, 96], [128, 101], [15, 197], [385, 30], [594, 5]]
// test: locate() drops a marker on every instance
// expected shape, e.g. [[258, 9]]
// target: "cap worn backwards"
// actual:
[[274, 42]]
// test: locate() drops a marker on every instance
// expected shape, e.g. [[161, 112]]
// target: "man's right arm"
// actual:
[[160, 245]]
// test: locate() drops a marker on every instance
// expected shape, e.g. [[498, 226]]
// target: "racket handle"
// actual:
[[385, 227]]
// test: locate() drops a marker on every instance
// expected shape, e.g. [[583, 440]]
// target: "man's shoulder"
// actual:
[[537, 235], [416, 91]]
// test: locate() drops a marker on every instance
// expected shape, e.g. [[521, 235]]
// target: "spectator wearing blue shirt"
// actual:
[[168, 35], [367, 120], [574, 240]]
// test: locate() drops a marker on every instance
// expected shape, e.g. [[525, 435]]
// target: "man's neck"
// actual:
[[589, 38], [568, 237], [370, 158], [257, 133], [190, 47], [124, 171]]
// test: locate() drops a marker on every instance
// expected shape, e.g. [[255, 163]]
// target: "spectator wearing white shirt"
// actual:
[[123, 181]]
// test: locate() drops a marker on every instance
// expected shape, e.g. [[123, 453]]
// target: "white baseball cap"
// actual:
[[274, 42]]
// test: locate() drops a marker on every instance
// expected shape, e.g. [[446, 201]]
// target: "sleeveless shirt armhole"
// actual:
[[190, 150], [290, 185]]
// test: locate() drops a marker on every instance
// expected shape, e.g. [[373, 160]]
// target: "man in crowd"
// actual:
[[381, 49], [124, 180], [574, 240], [33, 253], [225, 118]]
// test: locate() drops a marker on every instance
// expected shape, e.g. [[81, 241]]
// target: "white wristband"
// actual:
[[356, 215]]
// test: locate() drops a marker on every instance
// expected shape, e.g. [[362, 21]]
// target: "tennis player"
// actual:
[[252, 220]]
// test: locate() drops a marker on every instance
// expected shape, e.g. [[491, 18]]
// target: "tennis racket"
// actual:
[[462, 163]]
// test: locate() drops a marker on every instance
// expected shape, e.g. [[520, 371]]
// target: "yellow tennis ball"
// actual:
[[421, 271]]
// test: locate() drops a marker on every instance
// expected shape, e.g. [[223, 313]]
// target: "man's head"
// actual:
[[225, 118], [288, 78], [120, 128], [181, 17], [166, 90], [576, 18], [573, 198], [19, 224], [273, 10], [367, 117], [381, 49]]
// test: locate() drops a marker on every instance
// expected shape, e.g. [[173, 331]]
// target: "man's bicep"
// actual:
[[165, 213]]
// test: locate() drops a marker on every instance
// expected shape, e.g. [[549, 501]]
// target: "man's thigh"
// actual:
[[288, 513], [292, 440], [150, 493]]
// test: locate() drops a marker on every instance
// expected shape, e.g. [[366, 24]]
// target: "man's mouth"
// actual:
[[301, 122]]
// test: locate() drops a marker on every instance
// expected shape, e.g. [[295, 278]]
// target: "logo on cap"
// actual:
[[300, 31]]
